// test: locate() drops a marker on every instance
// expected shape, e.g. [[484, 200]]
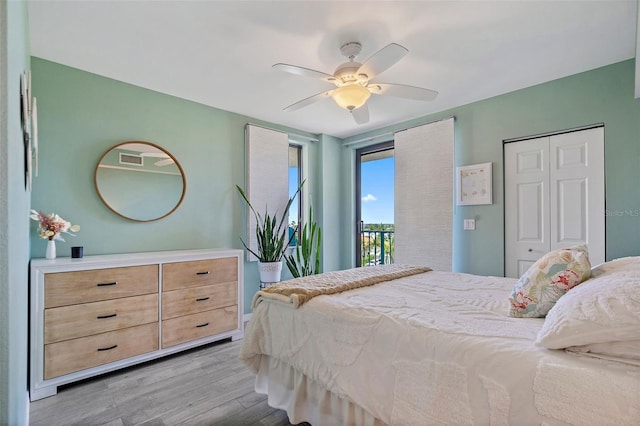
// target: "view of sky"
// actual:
[[293, 187], [377, 190]]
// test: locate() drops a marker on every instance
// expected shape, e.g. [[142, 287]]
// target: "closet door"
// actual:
[[554, 197], [577, 191], [527, 230]]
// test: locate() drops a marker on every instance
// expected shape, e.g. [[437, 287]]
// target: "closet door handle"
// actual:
[[107, 284], [202, 325], [106, 316], [107, 349]]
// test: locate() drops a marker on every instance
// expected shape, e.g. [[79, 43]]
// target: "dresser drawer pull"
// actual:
[[107, 349], [202, 299], [202, 273], [106, 316], [107, 284], [202, 325]]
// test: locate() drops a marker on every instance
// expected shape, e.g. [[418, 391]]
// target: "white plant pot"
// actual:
[[270, 272]]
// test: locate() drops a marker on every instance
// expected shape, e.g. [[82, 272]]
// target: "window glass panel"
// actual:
[[377, 207], [295, 177]]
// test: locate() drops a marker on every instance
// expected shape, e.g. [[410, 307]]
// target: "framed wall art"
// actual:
[[474, 184], [29, 117], [25, 106]]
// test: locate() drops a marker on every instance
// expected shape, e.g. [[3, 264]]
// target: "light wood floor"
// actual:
[[203, 386]]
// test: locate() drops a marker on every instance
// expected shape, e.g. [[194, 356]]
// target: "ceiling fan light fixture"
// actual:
[[352, 81], [351, 96]]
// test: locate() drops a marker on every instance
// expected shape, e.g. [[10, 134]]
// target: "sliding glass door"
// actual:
[[375, 168]]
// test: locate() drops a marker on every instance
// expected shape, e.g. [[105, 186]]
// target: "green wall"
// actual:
[[604, 95], [332, 185], [14, 221], [82, 115]]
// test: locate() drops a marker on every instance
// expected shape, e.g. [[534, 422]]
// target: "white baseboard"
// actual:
[[26, 415], [246, 317]]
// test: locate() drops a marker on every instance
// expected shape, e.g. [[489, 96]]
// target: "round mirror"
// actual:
[[140, 181]]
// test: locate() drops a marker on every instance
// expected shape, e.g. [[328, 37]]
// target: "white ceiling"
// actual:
[[220, 53]]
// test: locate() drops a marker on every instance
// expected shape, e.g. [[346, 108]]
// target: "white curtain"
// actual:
[[424, 195], [267, 181]]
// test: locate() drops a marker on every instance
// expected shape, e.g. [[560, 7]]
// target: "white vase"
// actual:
[[51, 249], [270, 272]]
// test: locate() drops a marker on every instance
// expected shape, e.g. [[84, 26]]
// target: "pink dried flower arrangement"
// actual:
[[51, 225]]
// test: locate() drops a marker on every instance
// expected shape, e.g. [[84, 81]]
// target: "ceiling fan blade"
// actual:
[[361, 115], [163, 163], [403, 91], [308, 101], [382, 60], [305, 72], [154, 154]]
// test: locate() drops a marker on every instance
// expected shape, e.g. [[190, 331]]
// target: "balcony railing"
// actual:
[[376, 247]]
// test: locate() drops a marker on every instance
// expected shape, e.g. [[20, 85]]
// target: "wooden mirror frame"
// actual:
[[184, 181]]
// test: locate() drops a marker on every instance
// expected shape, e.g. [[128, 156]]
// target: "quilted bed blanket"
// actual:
[[303, 289], [439, 348]]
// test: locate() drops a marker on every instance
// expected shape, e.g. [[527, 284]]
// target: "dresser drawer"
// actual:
[[196, 326], [71, 288], [86, 352], [71, 322], [199, 273], [198, 299]]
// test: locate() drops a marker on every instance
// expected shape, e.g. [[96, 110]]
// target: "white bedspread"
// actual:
[[439, 348]]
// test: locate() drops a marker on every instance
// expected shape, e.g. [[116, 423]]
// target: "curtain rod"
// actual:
[[291, 134], [386, 135]]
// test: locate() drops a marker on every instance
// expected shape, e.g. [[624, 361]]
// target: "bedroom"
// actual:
[[106, 111]]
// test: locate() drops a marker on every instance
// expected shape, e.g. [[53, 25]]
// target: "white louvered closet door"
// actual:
[[423, 212]]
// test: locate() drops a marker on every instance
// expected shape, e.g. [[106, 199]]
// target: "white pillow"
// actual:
[[620, 264], [627, 351], [600, 310]]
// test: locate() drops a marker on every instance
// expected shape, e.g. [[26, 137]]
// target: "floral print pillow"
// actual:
[[547, 280]]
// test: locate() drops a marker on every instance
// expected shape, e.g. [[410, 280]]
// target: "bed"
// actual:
[[422, 348]]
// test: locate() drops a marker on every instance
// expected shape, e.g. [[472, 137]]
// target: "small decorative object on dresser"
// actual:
[[101, 313], [50, 253], [50, 226], [77, 252]]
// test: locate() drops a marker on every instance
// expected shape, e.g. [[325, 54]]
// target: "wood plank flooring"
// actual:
[[203, 386]]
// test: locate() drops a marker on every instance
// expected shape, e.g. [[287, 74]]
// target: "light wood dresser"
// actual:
[[97, 314]]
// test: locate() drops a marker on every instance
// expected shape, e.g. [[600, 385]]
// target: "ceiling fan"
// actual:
[[161, 163], [352, 81]]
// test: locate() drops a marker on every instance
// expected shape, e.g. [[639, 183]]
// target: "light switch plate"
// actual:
[[470, 224]]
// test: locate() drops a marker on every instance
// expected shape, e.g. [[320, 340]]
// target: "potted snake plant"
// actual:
[[272, 237], [305, 258]]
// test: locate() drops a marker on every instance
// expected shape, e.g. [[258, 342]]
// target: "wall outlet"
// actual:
[[470, 224]]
